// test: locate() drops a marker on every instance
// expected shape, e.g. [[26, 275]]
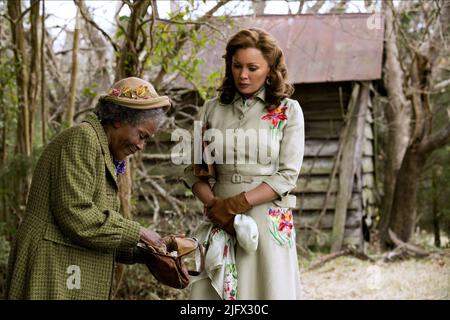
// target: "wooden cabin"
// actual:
[[332, 61]]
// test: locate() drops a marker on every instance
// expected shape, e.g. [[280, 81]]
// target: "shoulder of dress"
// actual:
[[294, 109], [81, 136], [210, 106], [84, 131], [212, 102], [291, 103]]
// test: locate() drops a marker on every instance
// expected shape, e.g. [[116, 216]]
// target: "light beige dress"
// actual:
[[271, 272]]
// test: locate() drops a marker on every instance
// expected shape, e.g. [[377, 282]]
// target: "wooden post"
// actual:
[[350, 162]]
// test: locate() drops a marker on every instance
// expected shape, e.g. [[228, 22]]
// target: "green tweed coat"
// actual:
[[72, 232]]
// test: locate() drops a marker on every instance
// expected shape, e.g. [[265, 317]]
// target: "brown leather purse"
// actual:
[[169, 267]]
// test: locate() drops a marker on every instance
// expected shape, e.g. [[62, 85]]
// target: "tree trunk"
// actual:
[[34, 75], [300, 7], [128, 60], [127, 66], [404, 206], [435, 209], [410, 124], [403, 212], [5, 120], [21, 63], [23, 147], [44, 113], [398, 114], [73, 75]]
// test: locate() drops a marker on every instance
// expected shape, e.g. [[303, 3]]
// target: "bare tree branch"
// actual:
[[399, 243], [22, 15], [95, 25], [441, 85], [181, 41], [436, 141], [191, 22]]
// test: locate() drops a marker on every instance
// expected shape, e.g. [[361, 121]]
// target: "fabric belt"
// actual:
[[239, 178]]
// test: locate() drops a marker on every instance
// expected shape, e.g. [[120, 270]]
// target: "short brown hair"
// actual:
[[278, 87]]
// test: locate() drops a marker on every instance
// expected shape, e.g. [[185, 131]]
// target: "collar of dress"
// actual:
[[260, 94], [101, 134]]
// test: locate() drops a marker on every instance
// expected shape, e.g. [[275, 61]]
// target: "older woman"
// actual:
[[254, 98], [72, 232]]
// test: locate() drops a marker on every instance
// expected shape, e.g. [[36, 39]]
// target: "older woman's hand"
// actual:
[[152, 239]]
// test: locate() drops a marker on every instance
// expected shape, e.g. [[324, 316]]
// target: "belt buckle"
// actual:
[[236, 178]]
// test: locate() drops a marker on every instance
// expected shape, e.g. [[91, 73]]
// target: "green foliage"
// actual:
[[415, 25], [4, 247], [89, 92], [184, 59], [8, 103], [4, 254], [12, 173], [434, 190]]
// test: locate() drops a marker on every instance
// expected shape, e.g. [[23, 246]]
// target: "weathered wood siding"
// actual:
[[324, 106]]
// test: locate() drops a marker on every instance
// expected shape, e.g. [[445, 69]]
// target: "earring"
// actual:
[[268, 82]]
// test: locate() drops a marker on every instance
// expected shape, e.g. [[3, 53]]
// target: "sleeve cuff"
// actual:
[[279, 186], [130, 235], [125, 256]]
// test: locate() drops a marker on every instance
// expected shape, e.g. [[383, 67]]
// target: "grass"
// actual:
[[349, 278]]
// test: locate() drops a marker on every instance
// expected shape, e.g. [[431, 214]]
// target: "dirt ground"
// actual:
[[348, 277]]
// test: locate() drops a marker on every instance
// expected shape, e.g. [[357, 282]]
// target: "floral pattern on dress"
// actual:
[[230, 282], [281, 226], [276, 116]]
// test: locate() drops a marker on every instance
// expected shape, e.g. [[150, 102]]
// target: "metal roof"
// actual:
[[318, 48]]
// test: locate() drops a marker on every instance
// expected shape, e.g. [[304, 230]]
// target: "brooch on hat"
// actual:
[[140, 92], [277, 116]]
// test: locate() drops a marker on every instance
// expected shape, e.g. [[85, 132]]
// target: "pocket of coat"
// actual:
[[53, 234], [281, 226]]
